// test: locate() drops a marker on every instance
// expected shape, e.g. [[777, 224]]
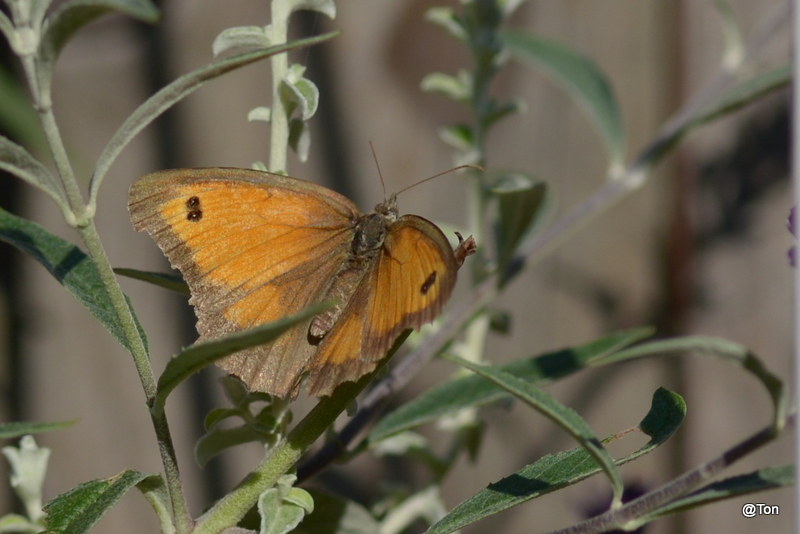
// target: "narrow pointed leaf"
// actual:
[[554, 472], [729, 488], [70, 266], [155, 491], [173, 282], [17, 161], [200, 355], [240, 38], [174, 93], [733, 99], [77, 510], [727, 351], [548, 406], [17, 429], [71, 16], [474, 390], [581, 78], [522, 203], [216, 441]]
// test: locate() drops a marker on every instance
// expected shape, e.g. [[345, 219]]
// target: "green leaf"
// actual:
[[77, 510], [300, 138], [554, 472], [522, 203], [155, 491], [445, 18], [450, 397], [71, 16], [240, 38], [728, 351], [173, 282], [199, 355], [734, 43], [336, 515], [260, 113], [17, 429], [566, 418], [729, 488], [283, 506], [215, 441], [70, 266], [175, 92], [16, 160], [458, 136], [300, 93], [581, 78], [18, 524], [457, 88], [733, 99]]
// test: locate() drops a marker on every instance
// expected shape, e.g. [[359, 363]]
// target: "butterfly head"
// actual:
[[388, 209]]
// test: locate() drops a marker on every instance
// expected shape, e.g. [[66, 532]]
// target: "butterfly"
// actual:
[[255, 246]]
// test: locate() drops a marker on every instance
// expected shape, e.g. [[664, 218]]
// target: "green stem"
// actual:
[[231, 508], [279, 122], [82, 219], [142, 362]]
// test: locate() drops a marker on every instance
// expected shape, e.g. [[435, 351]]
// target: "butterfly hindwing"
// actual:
[[411, 279]]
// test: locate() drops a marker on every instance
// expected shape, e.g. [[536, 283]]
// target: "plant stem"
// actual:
[[83, 220], [625, 518], [231, 508], [279, 122]]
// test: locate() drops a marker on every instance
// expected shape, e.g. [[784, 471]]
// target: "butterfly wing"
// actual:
[[407, 286], [253, 247]]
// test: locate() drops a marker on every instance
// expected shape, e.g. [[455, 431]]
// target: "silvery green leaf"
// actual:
[[261, 113], [734, 43], [10, 33], [458, 88], [241, 39], [259, 166], [458, 136], [326, 7], [445, 18], [17, 161], [18, 524], [400, 444], [300, 138], [283, 507], [28, 468], [301, 91], [300, 497]]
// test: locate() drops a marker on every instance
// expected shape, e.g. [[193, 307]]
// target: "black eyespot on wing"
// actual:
[[193, 213], [428, 283], [193, 203]]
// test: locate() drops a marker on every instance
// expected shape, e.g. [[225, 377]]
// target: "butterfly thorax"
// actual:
[[370, 232]]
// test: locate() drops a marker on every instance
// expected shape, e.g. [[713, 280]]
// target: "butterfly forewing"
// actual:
[[249, 254]]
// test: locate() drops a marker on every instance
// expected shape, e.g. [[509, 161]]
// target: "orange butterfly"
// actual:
[[255, 246]]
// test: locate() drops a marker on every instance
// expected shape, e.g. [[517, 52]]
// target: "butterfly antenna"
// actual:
[[467, 166], [375, 157]]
